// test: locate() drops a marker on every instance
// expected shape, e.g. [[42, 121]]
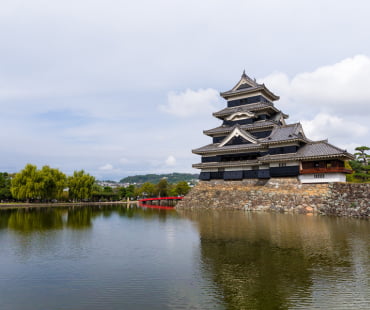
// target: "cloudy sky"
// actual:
[[120, 87]]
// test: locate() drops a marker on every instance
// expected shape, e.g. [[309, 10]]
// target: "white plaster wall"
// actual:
[[290, 163], [328, 177]]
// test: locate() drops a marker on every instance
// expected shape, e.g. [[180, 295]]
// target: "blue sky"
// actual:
[[121, 88]]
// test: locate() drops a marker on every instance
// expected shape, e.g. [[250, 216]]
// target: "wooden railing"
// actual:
[[325, 170]]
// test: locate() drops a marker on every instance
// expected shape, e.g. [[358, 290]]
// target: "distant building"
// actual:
[[111, 184], [255, 142]]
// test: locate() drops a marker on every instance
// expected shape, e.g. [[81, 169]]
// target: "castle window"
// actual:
[[319, 176]]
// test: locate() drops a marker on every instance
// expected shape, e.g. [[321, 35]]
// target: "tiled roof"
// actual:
[[281, 134], [252, 107], [279, 115], [320, 148], [255, 87], [258, 87], [250, 127], [214, 148], [311, 150], [224, 164], [285, 133]]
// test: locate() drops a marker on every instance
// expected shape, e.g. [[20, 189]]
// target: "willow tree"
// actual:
[[80, 185], [31, 183], [55, 182], [5, 180], [27, 184]]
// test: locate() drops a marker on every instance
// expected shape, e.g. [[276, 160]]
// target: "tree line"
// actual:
[[161, 189], [45, 184], [50, 184], [171, 178]]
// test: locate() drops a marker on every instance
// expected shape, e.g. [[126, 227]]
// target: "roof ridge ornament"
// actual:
[[246, 77], [247, 85]]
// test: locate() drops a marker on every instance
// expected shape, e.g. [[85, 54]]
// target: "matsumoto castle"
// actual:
[[255, 142]]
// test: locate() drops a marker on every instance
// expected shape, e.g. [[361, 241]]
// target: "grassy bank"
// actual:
[[16, 205]]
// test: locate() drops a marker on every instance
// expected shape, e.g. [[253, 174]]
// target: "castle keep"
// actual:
[[255, 142]]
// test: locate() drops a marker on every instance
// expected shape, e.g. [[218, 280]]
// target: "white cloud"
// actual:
[[171, 161], [325, 125], [342, 86], [77, 83], [106, 167], [190, 102], [331, 102]]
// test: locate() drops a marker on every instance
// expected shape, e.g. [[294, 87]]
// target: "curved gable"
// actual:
[[238, 136]]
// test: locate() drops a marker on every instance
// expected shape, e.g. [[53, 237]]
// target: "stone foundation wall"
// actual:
[[281, 194], [347, 199]]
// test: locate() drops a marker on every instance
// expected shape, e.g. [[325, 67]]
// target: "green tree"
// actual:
[[105, 193], [130, 191], [27, 184], [5, 181], [107, 189], [147, 189], [80, 185], [54, 181], [162, 188], [361, 155], [31, 183], [360, 165], [121, 192], [96, 192], [182, 188]]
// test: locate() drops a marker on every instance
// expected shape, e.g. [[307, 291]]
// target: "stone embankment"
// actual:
[[282, 195]]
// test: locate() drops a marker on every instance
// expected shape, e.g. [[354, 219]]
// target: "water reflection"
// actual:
[[280, 261], [167, 259], [26, 220], [102, 257], [34, 220]]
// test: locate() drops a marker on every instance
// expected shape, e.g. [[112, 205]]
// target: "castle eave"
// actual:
[[251, 107], [245, 91], [229, 164], [282, 141], [250, 127], [214, 149], [289, 157]]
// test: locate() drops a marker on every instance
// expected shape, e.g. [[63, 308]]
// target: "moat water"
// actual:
[[113, 257]]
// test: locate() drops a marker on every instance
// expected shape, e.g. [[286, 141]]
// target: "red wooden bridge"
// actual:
[[160, 201]]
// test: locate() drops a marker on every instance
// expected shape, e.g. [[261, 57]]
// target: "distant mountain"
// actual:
[[155, 178]]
